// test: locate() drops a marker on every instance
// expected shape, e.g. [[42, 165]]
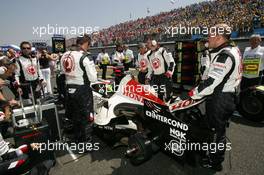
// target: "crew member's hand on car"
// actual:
[[35, 146]]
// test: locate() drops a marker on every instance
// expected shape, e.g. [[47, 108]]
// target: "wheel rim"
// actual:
[[252, 105]]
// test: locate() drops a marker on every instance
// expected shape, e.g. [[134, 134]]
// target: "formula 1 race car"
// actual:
[[124, 111]]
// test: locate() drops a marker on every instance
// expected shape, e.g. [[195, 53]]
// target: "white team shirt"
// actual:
[[143, 62], [118, 57], [70, 64], [30, 68], [217, 71], [157, 62]]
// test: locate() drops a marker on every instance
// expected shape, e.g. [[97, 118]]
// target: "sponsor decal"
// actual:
[[177, 134], [182, 104], [136, 88], [177, 130], [219, 65], [218, 70], [167, 120], [110, 128], [176, 145], [133, 96]]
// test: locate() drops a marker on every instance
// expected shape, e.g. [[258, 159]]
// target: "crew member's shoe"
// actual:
[[217, 167], [206, 163]]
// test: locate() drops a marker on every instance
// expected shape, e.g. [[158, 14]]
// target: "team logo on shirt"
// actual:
[[143, 63], [68, 63], [31, 70], [156, 63]]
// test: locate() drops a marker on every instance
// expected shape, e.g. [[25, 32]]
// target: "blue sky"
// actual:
[[18, 17]]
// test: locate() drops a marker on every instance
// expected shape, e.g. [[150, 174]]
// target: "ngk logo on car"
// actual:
[[177, 134]]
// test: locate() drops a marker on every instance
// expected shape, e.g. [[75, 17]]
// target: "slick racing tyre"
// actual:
[[251, 105]]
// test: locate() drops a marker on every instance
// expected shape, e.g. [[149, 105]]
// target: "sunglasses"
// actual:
[[26, 48]]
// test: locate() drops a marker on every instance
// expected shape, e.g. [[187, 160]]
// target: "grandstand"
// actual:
[[244, 16]]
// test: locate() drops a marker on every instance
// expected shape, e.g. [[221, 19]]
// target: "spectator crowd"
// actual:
[[242, 15]]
